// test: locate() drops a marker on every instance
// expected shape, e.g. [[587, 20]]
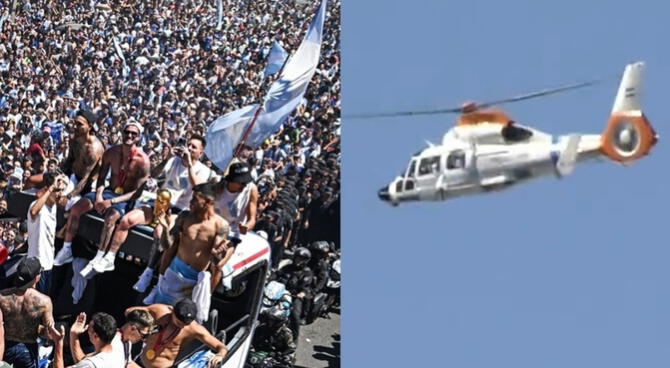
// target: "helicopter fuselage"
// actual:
[[486, 151], [481, 159]]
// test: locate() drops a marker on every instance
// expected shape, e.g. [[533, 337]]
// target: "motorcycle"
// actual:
[[273, 345]]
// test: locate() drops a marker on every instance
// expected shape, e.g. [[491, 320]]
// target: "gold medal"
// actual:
[[118, 190], [151, 354]]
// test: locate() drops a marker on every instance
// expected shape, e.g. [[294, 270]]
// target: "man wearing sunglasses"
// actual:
[[182, 172], [129, 167], [176, 325], [138, 327], [42, 226]]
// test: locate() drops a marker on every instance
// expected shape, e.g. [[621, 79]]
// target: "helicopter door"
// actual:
[[459, 165], [428, 173]]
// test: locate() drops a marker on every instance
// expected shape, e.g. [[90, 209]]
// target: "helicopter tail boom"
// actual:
[[628, 135]]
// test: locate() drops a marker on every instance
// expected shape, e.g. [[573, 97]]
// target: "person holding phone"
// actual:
[[182, 172], [42, 226]]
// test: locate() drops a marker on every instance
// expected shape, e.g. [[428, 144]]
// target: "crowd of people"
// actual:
[[102, 101]]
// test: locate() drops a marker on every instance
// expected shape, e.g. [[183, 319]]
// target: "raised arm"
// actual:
[[41, 200], [77, 329]]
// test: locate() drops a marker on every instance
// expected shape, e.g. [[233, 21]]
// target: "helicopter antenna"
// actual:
[[471, 106]]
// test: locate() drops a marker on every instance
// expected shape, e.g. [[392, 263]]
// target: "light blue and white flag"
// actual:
[[118, 50], [225, 133], [219, 15], [125, 70], [286, 93], [276, 59], [2, 21]]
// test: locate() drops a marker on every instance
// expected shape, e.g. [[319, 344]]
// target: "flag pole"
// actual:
[[258, 112]]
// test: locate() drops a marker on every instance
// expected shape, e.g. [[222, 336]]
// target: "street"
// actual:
[[319, 345]]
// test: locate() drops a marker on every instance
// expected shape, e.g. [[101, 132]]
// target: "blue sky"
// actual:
[[555, 273]]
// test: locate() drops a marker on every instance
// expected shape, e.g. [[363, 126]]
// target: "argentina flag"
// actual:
[[225, 133], [285, 93], [276, 59]]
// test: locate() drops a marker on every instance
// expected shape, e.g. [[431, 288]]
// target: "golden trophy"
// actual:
[[161, 205]]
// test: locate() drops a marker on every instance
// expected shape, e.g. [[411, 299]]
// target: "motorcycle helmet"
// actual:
[[303, 253], [320, 248]]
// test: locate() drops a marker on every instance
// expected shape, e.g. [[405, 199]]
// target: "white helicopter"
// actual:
[[487, 151]]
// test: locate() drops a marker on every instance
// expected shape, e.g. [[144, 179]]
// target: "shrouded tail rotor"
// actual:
[[628, 135]]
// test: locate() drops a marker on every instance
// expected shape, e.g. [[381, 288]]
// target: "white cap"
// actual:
[[135, 124]]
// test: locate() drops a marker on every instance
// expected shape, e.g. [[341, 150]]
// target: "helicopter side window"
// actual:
[[412, 168], [513, 133], [429, 165], [456, 160]]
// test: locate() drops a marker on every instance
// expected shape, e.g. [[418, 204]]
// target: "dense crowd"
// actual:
[[179, 75], [173, 69]]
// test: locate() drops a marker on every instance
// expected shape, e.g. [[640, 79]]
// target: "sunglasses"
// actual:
[[131, 133], [142, 335]]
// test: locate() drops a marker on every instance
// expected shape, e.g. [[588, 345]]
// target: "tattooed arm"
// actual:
[[172, 237], [221, 251], [47, 315]]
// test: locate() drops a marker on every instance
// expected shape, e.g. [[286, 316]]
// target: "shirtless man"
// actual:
[[26, 312], [197, 242], [129, 171], [176, 327], [182, 172], [86, 150], [83, 160]]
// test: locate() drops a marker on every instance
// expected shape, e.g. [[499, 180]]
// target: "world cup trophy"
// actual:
[[161, 205]]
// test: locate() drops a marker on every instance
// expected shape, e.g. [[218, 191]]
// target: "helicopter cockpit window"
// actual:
[[412, 168], [429, 165], [456, 160], [513, 133], [398, 186]]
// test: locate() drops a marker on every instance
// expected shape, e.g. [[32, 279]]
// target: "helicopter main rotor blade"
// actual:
[[460, 109], [544, 92], [407, 113]]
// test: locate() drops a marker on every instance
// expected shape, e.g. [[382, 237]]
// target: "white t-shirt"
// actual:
[[178, 183], [113, 359], [42, 231], [233, 207]]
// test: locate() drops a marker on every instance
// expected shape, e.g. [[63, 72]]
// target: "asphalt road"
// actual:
[[319, 345]]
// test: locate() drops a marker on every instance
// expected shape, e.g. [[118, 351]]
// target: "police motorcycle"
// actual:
[[333, 284], [273, 345]]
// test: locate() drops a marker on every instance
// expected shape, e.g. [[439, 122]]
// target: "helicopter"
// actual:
[[486, 151]]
